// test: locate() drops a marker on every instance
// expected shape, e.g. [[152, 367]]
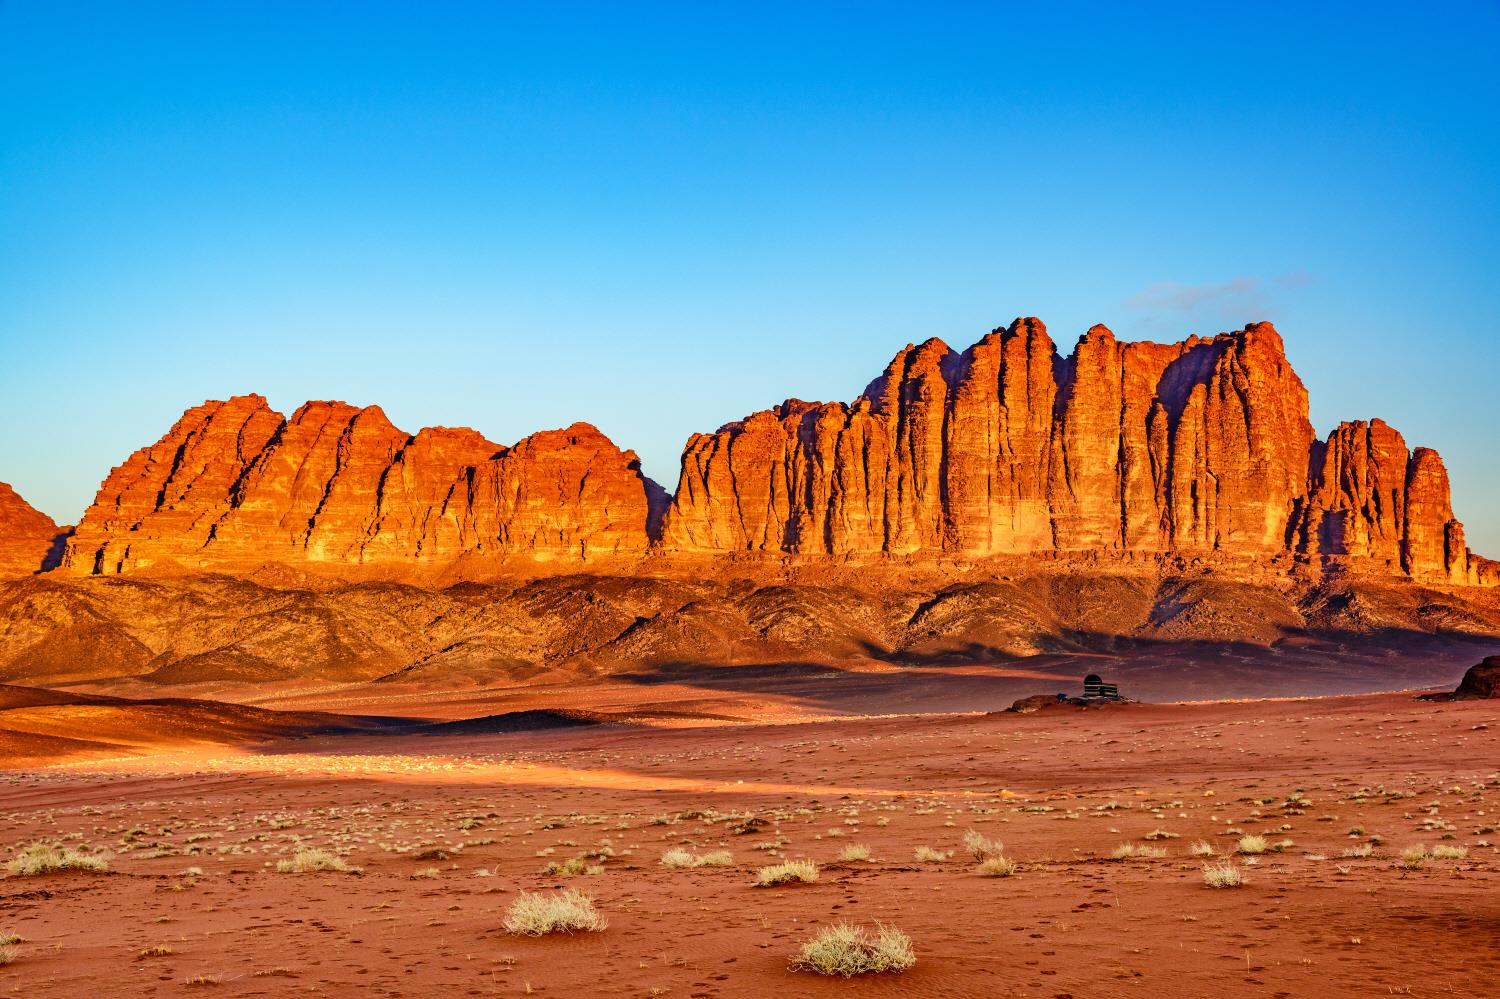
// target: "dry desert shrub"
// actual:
[[45, 858], [1202, 848], [313, 861], [847, 950], [980, 847], [791, 872], [679, 859], [1129, 851], [1363, 850], [1253, 845], [8, 953], [1223, 874], [998, 867], [535, 914], [1442, 852], [1414, 856], [854, 853], [573, 867], [927, 855]]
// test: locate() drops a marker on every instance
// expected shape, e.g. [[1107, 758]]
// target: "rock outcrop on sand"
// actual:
[[28, 537], [1481, 681], [1170, 454]]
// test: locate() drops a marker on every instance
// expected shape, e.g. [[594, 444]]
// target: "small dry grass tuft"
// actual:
[[679, 859], [8, 953], [927, 855], [1414, 856], [1202, 848], [791, 872], [854, 853], [313, 861], [535, 914], [980, 847], [847, 950], [1443, 852], [46, 858], [998, 867], [573, 867], [160, 950], [1253, 845], [1223, 874], [1129, 851]]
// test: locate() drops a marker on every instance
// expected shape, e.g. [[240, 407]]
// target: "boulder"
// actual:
[[1481, 681]]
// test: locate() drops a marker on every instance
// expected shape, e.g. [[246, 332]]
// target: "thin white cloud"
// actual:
[[1227, 303], [1169, 296]]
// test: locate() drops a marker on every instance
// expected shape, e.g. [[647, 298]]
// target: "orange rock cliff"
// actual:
[[1201, 448], [29, 540]]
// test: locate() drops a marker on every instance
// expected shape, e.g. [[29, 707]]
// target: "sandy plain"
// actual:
[[447, 824]]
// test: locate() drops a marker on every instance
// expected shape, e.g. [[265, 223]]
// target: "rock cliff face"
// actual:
[[1196, 449], [234, 485], [1378, 506], [27, 536]]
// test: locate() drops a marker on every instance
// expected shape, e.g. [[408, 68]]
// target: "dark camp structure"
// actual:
[[1093, 686]]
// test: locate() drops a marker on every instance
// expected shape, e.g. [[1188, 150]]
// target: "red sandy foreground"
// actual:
[[446, 829]]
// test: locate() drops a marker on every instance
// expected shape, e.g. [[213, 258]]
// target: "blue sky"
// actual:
[[660, 219]]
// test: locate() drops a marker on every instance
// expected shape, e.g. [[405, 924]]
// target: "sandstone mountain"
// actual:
[[1172, 454], [236, 485], [1170, 501], [28, 537]]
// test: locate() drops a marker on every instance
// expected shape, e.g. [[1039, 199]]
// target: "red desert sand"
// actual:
[[247, 862]]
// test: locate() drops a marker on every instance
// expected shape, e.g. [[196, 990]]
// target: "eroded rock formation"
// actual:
[[1482, 681], [1198, 449], [27, 536], [235, 485], [1379, 506]]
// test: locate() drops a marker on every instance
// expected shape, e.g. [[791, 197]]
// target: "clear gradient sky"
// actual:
[[660, 219]]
